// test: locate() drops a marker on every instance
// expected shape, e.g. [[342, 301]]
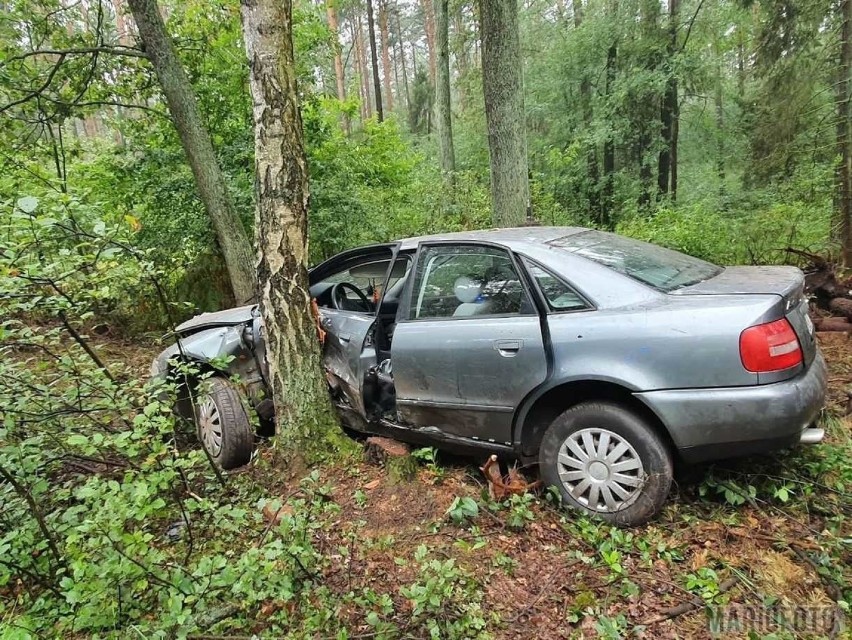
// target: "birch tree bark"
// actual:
[[302, 405], [209, 179], [502, 84]]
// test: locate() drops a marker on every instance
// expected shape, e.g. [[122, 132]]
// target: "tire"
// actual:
[[223, 425], [639, 486]]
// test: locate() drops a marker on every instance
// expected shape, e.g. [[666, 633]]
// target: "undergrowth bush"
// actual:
[[754, 237]]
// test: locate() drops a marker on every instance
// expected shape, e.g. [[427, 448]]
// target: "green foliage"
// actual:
[[463, 509], [705, 583], [520, 510], [445, 600], [755, 237]]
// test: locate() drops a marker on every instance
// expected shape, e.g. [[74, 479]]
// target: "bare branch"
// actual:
[[117, 50]]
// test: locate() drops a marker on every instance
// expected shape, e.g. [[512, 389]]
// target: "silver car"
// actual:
[[602, 358]]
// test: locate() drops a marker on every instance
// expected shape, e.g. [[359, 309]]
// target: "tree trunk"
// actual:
[[844, 135], [209, 179], [399, 42], [740, 64], [650, 101], [720, 125], [673, 147], [386, 65], [669, 107], [299, 389], [429, 28], [607, 213], [339, 73], [442, 92], [374, 58], [124, 36], [593, 189], [502, 84], [361, 54]]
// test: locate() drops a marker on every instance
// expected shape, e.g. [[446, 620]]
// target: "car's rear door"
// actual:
[[468, 344]]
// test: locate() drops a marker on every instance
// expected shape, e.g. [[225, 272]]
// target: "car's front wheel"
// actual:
[[606, 460], [223, 425]]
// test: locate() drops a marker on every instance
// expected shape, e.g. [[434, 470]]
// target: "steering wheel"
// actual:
[[339, 299]]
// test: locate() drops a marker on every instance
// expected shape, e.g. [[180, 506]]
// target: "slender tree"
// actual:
[[502, 84], [387, 72], [608, 187], [442, 92], [429, 30], [339, 73], [401, 45], [209, 179], [374, 58], [363, 72], [298, 385], [593, 188], [844, 132], [669, 116]]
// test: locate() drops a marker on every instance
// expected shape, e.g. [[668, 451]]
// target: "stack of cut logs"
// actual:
[[830, 295]]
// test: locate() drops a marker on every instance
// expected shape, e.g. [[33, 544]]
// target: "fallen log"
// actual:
[[841, 307], [832, 324]]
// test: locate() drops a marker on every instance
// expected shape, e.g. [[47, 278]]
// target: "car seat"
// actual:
[[469, 293]]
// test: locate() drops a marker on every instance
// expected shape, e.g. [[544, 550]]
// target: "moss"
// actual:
[[401, 468]]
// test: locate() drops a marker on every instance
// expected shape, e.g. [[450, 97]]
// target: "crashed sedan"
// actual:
[[602, 358]]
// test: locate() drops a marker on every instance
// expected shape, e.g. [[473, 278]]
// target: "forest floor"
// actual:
[[743, 537]]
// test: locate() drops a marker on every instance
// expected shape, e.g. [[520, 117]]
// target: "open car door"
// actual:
[[349, 349]]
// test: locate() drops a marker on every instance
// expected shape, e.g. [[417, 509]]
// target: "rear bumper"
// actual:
[[709, 424]]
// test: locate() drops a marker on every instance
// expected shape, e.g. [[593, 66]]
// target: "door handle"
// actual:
[[508, 348]]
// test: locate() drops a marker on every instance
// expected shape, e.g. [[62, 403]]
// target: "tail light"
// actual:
[[770, 347]]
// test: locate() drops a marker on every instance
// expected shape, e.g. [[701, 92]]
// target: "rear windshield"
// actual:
[[660, 268]]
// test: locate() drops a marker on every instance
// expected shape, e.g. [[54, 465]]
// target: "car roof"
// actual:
[[510, 237]]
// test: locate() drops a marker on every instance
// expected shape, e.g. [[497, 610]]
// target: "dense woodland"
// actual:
[[718, 128], [130, 168]]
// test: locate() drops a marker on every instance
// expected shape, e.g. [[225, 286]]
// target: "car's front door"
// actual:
[[343, 351], [346, 289], [468, 346]]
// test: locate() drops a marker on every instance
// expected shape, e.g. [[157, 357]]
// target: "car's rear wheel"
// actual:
[[223, 425], [606, 460]]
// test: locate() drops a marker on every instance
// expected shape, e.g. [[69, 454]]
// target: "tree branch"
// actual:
[[41, 89], [118, 50]]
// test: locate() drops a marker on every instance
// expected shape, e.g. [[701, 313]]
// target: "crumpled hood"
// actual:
[[225, 318]]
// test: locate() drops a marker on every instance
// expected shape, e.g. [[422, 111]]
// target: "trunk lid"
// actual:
[[785, 282]]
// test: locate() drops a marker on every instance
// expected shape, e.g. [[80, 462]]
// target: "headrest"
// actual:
[[467, 289]]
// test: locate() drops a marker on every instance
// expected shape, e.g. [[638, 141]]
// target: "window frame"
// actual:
[[529, 262], [405, 309]]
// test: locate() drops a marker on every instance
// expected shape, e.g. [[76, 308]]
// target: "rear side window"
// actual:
[[455, 281], [655, 266], [559, 296]]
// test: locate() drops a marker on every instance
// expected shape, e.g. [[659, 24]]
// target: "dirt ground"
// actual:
[[547, 579]]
